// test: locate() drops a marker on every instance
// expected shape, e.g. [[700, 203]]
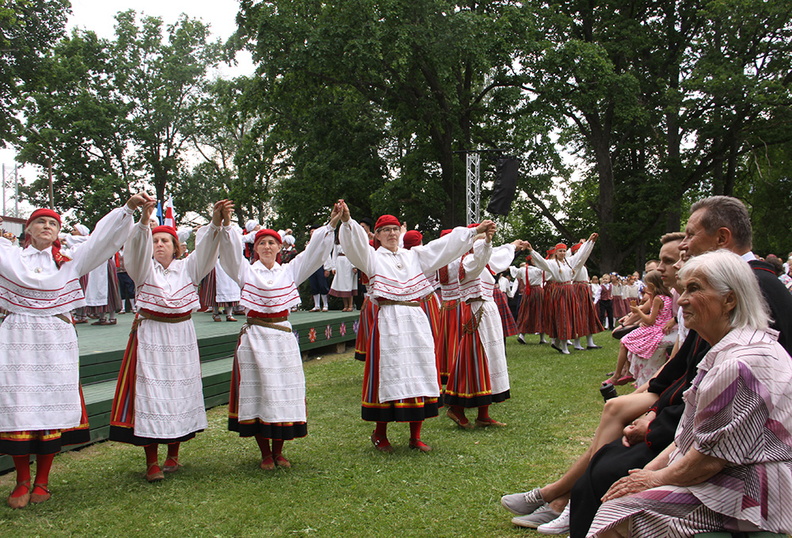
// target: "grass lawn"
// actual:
[[339, 484]]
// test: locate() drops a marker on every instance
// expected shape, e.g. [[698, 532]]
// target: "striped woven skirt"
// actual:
[[403, 410], [448, 343], [529, 319], [665, 511], [506, 316], [559, 307], [368, 311], [431, 307], [472, 382], [586, 317], [263, 363]]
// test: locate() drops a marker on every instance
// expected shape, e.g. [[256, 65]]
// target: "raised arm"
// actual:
[[108, 237], [207, 242]]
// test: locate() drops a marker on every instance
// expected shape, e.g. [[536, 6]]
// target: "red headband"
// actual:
[[412, 238], [559, 246], [166, 230], [43, 212], [386, 220], [445, 232], [576, 247]]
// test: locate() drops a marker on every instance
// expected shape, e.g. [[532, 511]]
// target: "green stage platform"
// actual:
[[102, 348]]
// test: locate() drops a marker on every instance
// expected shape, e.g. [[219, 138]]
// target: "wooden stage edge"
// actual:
[[102, 349]]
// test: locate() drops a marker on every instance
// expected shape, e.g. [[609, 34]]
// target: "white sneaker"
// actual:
[[542, 515], [523, 503], [559, 525]]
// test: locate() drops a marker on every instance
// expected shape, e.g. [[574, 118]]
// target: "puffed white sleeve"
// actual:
[[107, 238], [138, 251], [313, 257], [231, 258], [207, 245], [435, 254], [581, 256], [475, 264], [501, 258], [353, 238], [542, 264]]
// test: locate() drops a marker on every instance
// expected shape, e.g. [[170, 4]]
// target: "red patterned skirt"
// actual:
[[368, 311], [405, 410], [529, 318], [507, 318], [557, 317], [586, 317], [451, 329], [469, 383]]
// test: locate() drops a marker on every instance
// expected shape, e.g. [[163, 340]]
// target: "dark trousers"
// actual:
[[606, 311], [610, 463]]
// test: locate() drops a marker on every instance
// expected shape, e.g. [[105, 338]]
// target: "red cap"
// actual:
[[261, 234], [386, 220], [412, 238], [267, 232], [166, 230]]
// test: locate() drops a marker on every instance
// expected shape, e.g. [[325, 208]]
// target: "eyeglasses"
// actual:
[[389, 229]]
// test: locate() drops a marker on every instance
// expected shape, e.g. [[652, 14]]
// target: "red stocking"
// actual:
[[264, 446], [483, 413], [173, 454], [277, 447], [415, 430], [381, 431], [43, 466], [22, 465], [151, 454]]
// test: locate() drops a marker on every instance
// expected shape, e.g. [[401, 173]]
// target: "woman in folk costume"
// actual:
[[559, 298], [450, 316], [529, 319], [586, 317], [41, 404], [159, 394], [479, 374], [267, 383], [430, 303], [400, 382]]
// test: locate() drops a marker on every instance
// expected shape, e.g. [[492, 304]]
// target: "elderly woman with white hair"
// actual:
[[730, 466]]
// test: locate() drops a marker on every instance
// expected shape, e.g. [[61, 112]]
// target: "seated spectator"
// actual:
[[546, 507], [730, 466], [644, 341]]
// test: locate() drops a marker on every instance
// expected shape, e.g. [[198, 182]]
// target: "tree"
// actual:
[[76, 123], [164, 82], [28, 30], [661, 99], [430, 75], [112, 115]]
